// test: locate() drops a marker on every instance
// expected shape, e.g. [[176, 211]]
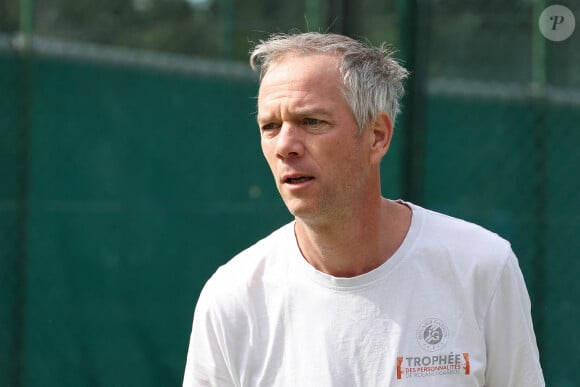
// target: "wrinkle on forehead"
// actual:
[[299, 83]]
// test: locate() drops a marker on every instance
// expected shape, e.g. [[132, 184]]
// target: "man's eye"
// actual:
[[311, 121], [270, 126]]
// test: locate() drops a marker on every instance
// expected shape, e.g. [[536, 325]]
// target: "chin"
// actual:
[[299, 209]]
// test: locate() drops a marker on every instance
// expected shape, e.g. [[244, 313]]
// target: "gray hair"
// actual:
[[372, 79]]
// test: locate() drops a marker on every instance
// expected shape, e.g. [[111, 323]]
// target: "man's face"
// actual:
[[310, 139]]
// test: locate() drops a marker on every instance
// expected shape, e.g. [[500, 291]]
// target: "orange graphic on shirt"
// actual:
[[399, 363], [434, 365]]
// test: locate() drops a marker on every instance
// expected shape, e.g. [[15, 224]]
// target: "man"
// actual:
[[358, 290]]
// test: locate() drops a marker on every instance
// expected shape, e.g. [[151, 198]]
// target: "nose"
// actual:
[[290, 142]]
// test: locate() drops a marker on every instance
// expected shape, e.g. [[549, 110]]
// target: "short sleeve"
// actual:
[[206, 359], [512, 352]]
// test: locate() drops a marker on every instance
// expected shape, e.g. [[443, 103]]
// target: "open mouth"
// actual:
[[298, 180]]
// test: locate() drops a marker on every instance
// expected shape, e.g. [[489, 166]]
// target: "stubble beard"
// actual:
[[323, 211]]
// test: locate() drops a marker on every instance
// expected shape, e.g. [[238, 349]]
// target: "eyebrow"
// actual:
[[263, 118], [303, 112], [296, 112]]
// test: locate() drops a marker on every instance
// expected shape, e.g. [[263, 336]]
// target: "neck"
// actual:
[[359, 243]]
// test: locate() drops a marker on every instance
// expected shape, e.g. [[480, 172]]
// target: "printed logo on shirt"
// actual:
[[432, 334], [433, 365]]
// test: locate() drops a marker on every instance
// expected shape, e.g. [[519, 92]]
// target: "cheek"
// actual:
[[345, 152], [354, 162], [268, 153], [265, 148]]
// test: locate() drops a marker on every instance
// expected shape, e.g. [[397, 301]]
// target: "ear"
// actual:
[[382, 133]]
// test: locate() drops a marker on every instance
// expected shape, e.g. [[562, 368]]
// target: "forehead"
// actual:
[[301, 79]]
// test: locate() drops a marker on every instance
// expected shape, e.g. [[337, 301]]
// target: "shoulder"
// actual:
[[462, 255], [460, 251], [251, 269], [463, 238]]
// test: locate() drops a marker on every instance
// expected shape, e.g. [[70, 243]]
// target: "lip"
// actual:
[[286, 179]]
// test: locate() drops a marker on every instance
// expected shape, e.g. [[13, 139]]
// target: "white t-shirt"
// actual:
[[449, 308]]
